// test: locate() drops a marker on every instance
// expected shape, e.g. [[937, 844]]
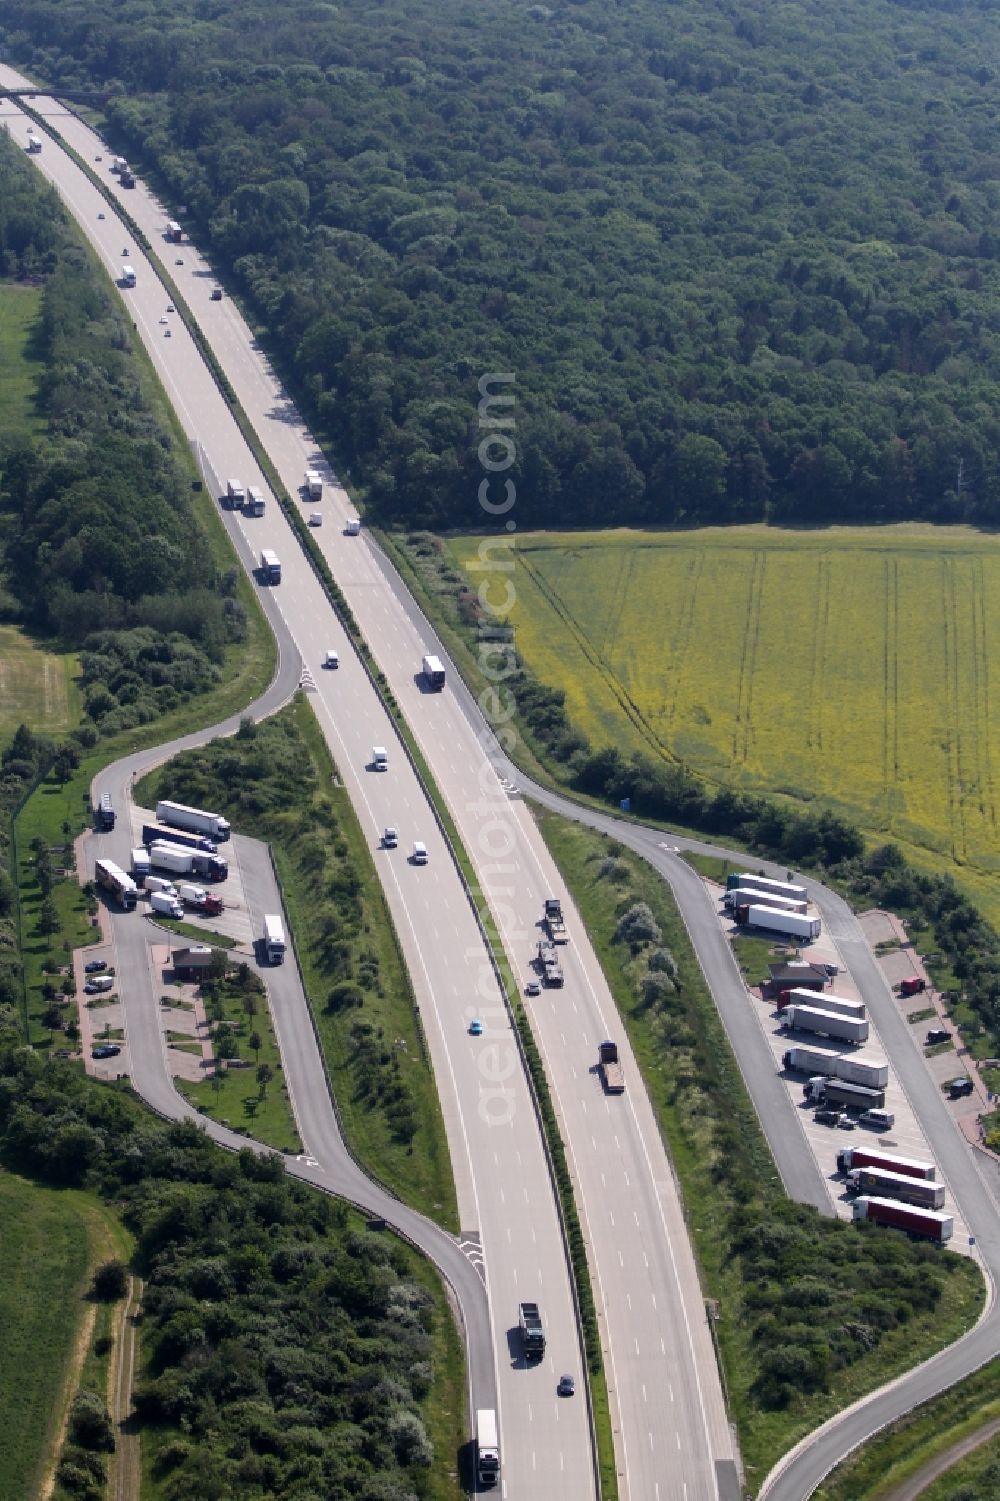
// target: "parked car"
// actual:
[[94, 966], [566, 1387], [827, 1117], [847, 1123], [109, 1050], [959, 1087], [938, 1034]]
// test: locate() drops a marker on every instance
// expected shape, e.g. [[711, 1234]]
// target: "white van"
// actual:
[[380, 758], [160, 883], [882, 1120], [332, 658], [419, 853], [353, 526]]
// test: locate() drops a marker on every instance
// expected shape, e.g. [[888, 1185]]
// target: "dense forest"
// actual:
[[286, 1352], [99, 542], [741, 258]]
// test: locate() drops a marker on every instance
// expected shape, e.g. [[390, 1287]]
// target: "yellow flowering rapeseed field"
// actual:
[[860, 666]]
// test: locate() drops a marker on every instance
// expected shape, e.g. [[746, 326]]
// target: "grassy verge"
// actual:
[[51, 1241], [237, 1095], [892, 1456], [277, 780], [744, 1229], [20, 306], [753, 955], [709, 866]]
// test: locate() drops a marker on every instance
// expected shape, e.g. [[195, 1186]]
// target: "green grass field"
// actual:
[[853, 665], [50, 1243], [20, 305]]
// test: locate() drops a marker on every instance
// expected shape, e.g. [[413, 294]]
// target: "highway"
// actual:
[[505, 1194], [673, 1435], [615, 1170]]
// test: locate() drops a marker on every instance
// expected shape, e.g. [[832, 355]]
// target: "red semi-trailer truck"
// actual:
[[933, 1224]]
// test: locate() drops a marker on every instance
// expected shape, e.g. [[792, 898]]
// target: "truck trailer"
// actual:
[[766, 885], [824, 1023], [270, 567], [195, 819], [140, 864], [274, 939], [614, 1077], [554, 920], [236, 495], [433, 670], [114, 880], [159, 833], [487, 1447], [852, 1157], [254, 503], [931, 1223], [183, 861], [548, 961], [745, 896], [858, 1068], [165, 904], [884, 1185], [532, 1330], [771, 920], [825, 1091], [820, 1001]]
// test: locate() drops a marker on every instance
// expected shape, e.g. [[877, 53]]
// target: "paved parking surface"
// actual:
[[906, 1137]]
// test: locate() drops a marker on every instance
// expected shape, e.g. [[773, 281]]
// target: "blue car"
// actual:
[[94, 966], [110, 1051], [476, 1029]]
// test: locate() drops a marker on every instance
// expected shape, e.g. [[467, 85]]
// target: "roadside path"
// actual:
[[918, 1482]]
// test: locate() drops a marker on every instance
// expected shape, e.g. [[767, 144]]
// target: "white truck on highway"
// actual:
[[824, 1023], [548, 961], [274, 939], [860, 1068], [235, 495], [254, 503], [195, 819], [487, 1447], [314, 484], [433, 671]]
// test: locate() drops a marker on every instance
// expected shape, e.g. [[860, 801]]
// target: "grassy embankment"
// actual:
[[724, 1168], [281, 784], [843, 664], [875, 1470], [52, 1240]]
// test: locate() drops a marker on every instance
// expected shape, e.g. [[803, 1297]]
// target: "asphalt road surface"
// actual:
[[505, 1193]]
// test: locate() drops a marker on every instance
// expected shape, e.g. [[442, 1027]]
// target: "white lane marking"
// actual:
[[628, 1299], [644, 1397]]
